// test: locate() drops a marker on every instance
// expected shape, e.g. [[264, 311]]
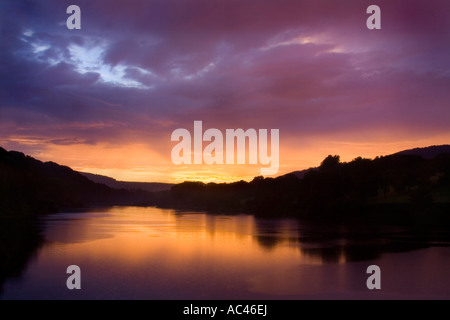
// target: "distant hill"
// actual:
[[113, 183], [427, 152], [29, 187]]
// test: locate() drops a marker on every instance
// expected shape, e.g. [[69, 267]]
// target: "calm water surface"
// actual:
[[150, 253]]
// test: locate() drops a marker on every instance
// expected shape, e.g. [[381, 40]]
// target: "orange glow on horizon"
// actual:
[[139, 162]]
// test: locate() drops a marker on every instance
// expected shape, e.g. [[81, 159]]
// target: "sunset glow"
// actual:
[[105, 99]]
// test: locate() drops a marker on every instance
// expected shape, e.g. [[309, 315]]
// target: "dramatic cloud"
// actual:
[[137, 70]]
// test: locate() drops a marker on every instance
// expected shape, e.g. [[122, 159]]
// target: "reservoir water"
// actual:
[[151, 253]]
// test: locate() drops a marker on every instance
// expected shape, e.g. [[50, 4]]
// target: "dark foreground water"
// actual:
[[150, 253]]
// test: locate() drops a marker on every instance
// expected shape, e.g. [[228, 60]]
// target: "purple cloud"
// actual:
[[138, 70]]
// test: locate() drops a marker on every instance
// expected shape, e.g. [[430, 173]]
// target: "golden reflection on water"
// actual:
[[137, 245], [151, 253], [134, 234]]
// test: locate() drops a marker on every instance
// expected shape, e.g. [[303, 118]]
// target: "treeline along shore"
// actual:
[[404, 189], [400, 185]]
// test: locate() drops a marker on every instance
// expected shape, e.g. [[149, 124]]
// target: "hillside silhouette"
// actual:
[[31, 187], [402, 182], [427, 152], [406, 183]]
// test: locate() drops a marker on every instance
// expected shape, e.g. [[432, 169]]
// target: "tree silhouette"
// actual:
[[330, 162]]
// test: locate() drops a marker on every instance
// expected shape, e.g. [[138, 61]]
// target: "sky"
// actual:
[[106, 98]]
